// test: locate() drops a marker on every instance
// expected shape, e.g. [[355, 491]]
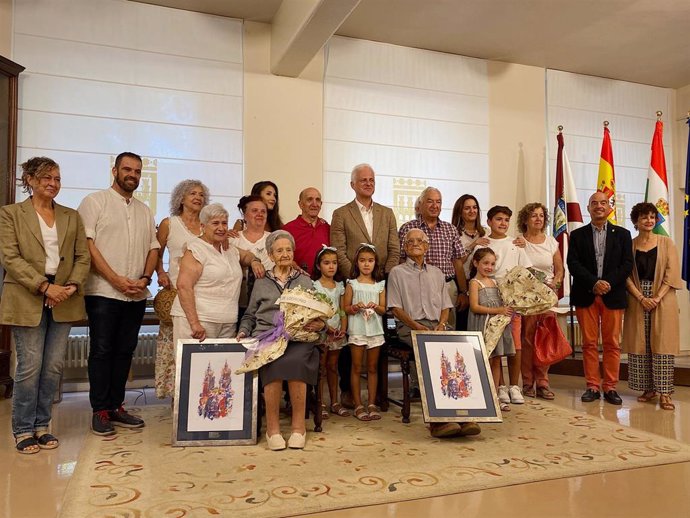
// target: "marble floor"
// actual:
[[32, 486]]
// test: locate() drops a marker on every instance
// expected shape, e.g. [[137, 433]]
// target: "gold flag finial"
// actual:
[[659, 113], [560, 128], [606, 124]]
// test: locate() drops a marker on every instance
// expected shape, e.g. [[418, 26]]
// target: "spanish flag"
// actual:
[[657, 182], [606, 182]]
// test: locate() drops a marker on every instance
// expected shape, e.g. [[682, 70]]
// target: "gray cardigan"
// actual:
[[262, 304]]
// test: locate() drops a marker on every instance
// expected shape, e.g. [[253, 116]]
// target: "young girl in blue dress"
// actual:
[[324, 273], [365, 303]]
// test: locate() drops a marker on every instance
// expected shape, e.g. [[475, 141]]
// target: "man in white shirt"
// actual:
[[121, 236]]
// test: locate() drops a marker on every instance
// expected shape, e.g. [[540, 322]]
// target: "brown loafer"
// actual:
[[470, 428], [445, 430]]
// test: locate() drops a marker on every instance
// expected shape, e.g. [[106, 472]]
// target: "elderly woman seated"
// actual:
[[299, 364], [208, 284]]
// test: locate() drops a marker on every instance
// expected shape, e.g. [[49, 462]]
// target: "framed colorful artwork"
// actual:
[[213, 405], [454, 377]]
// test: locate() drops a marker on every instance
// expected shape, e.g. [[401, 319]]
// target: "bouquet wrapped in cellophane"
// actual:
[[524, 291], [297, 307]]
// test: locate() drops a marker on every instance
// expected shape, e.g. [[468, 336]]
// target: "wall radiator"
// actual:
[[78, 351]]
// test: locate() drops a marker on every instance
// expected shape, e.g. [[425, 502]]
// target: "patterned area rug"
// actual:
[[138, 474]]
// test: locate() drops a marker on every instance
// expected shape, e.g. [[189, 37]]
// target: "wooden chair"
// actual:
[[394, 348]]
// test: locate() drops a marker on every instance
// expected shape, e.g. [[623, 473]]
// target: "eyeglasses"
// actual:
[[49, 178]]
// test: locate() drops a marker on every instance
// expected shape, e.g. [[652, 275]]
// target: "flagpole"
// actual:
[[571, 318]]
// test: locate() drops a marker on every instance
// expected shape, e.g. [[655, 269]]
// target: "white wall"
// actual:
[[580, 104], [106, 76], [419, 117], [283, 122], [6, 28]]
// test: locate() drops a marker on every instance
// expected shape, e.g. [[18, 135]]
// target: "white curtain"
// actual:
[[106, 76], [420, 118], [581, 104]]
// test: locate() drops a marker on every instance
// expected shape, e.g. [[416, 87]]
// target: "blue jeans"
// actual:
[[40, 359], [114, 334]]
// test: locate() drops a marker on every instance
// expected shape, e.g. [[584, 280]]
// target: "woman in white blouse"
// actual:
[[542, 250], [208, 284], [46, 260], [186, 201]]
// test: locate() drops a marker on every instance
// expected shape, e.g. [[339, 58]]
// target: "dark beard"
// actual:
[[122, 185]]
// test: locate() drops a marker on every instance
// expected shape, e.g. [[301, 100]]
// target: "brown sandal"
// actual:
[[529, 391], [649, 395], [545, 393], [665, 402], [361, 414], [338, 409], [324, 412], [374, 413]]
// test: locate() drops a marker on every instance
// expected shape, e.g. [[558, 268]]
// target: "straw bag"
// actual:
[[162, 303]]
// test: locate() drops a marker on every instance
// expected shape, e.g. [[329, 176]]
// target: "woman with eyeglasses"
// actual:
[[46, 259]]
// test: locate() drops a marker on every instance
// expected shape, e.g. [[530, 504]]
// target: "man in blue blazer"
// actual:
[[600, 260]]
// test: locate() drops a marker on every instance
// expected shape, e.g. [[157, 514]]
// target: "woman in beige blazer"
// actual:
[[651, 326], [45, 256]]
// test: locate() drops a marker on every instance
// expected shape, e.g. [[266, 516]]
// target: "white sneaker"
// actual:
[[275, 442], [503, 395], [297, 440], [516, 395]]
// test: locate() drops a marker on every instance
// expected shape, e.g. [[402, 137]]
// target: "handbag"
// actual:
[[162, 303], [550, 344]]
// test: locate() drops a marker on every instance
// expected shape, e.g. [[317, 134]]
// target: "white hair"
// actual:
[[275, 236], [426, 191], [356, 169], [425, 238], [211, 211]]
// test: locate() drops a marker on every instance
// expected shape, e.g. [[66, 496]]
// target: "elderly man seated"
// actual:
[[419, 301]]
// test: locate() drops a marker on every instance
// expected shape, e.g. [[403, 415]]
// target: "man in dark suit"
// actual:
[[600, 260], [362, 221]]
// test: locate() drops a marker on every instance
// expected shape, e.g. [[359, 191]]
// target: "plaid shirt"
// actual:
[[444, 244]]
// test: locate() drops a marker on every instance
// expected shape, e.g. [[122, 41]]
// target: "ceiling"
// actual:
[[644, 41]]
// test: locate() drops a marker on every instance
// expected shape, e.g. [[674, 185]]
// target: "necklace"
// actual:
[[470, 234]]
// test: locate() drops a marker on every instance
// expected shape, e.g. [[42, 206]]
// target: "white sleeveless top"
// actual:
[[217, 291], [51, 245], [178, 237]]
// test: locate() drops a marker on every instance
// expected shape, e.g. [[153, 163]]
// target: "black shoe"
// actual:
[[611, 396], [121, 417], [590, 395], [100, 423], [415, 393]]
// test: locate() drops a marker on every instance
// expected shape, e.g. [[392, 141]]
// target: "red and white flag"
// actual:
[[657, 182], [567, 215]]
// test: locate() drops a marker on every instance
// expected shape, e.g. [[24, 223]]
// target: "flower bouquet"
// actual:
[[523, 291], [297, 307]]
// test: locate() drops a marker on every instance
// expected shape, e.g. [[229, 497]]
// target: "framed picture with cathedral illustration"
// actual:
[[213, 406], [454, 377]]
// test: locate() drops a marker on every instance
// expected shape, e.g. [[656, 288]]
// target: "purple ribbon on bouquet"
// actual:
[[270, 336]]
